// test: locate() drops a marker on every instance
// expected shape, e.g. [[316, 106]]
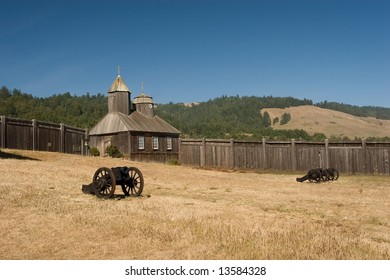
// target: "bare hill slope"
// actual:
[[329, 122]]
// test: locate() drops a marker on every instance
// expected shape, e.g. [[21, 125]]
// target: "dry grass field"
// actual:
[[332, 123], [187, 213]]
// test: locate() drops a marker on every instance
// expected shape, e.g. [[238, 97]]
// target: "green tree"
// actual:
[[266, 119], [286, 117]]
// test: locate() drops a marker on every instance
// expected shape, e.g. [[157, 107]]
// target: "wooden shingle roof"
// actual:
[[118, 122], [118, 85]]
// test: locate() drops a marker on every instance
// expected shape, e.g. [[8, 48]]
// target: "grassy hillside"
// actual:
[[332, 123], [257, 117], [227, 117]]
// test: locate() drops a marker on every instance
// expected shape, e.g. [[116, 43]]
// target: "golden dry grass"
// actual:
[[332, 123], [187, 213]]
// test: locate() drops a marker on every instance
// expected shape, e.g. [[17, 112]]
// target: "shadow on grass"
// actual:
[[5, 155]]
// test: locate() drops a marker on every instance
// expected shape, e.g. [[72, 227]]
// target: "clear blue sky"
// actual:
[[196, 50]]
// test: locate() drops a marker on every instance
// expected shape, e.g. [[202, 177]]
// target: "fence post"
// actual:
[[265, 166], [86, 143], [3, 131], [34, 134], [231, 155], [326, 153], [293, 155], [203, 153], [364, 151], [179, 149], [62, 138]]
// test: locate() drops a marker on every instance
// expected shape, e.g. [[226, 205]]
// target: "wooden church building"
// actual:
[[134, 128]]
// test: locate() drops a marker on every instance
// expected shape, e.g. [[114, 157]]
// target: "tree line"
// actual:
[[240, 118], [225, 117], [79, 111]]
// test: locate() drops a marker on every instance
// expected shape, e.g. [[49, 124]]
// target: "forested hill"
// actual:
[[79, 111], [239, 117], [227, 117], [364, 111], [224, 117]]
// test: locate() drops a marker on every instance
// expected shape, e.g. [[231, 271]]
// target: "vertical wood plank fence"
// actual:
[[41, 136], [347, 157]]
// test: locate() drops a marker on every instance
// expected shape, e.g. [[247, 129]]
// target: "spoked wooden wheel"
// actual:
[[104, 180], [314, 175], [330, 173], [335, 174], [134, 182], [324, 175]]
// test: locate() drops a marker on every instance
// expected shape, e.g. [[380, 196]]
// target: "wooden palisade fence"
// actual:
[[347, 157], [42, 136]]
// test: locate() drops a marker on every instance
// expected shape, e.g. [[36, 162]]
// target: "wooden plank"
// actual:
[[347, 157]]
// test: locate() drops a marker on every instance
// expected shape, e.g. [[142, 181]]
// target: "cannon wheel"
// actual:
[[134, 184], [336, 174], [330, 174], [314, 175], [104, 180], [324, 175]]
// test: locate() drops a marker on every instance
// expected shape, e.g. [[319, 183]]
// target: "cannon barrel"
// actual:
[[303, 179]]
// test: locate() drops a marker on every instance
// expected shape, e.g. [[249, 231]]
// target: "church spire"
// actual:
[[119, 96], [118, 84]]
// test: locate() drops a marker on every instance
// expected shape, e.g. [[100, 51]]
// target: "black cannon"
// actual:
[[106, 179], [320, 175]]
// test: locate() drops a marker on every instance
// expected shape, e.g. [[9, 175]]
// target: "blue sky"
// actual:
[[196, 50]]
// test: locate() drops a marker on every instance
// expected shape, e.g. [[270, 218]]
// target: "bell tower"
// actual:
[[119, 96], [144, 104]]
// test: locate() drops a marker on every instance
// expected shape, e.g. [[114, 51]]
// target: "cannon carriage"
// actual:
[[320, 175], [105, 180]]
